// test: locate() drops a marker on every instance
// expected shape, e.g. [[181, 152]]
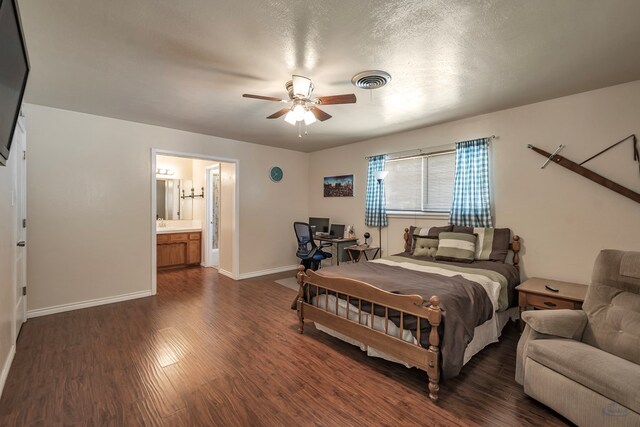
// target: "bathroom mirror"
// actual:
[[170, 205]]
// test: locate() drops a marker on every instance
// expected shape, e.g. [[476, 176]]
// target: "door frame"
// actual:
[[20, 189], [235, 272]]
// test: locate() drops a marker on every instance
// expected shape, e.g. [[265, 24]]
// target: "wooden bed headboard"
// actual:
[[514, 246]]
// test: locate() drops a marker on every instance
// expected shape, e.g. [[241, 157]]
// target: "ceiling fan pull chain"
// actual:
[[299, 129], [305, 129]]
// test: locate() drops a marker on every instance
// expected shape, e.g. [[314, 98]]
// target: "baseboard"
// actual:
[[226, 273], [5, 369], [86, 304], [268, 271]]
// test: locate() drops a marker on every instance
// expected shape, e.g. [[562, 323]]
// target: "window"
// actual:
[[421, 183]]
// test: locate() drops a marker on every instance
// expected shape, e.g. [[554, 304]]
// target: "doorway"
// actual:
[[194, 197]]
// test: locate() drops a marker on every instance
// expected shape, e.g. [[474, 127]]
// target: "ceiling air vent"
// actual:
[[372, 79]]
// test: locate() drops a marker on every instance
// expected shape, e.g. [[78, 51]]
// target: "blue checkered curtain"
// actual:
[[375, 213], [471, 205]]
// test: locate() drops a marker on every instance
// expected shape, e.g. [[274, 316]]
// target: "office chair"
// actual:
[[310, 254]]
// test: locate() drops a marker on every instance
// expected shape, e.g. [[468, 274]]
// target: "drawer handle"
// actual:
[[550, 304]]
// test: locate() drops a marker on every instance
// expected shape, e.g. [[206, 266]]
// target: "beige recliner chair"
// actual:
[[585, 364]]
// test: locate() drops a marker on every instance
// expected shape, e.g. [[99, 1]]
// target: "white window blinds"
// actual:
[[420, 184]]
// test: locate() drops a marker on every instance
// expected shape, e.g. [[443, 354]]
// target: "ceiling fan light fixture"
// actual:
[[309, 118], [302, 86], [298, 112], [290, 118], [301, 106]]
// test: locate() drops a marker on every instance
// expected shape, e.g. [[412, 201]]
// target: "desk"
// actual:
[[356, 252], [340, 244]]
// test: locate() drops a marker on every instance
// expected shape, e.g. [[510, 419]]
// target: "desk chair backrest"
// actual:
[[306, 245]]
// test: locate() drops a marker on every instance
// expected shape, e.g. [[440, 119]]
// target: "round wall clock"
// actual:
[[276, 174]]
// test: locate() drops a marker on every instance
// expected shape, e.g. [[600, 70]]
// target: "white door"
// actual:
[[19, 149]]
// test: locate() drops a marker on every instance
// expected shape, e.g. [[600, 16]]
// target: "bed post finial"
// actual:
[[407, 246], [433, 355], [300, 279], [515, 246]]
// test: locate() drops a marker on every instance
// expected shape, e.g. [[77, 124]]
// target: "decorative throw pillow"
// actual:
[[461, 229], [435, 231], [413, 232], [460, 247], [492, 243], [425, 246], [432, 232]]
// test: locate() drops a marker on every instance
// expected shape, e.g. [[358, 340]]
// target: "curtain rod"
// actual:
[[427, 150]]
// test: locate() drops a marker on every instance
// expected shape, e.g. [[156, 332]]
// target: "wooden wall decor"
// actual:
[[589, 174]]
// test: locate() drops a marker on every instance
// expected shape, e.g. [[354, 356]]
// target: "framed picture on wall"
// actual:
[[338, 186]]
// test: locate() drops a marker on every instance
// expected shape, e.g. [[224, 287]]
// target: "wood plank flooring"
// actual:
[[209, 351]]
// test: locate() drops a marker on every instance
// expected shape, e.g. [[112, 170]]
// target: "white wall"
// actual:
[[89, 203], [564, 220], [8, 214]]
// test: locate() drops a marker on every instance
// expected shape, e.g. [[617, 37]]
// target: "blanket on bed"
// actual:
[[468, 297]]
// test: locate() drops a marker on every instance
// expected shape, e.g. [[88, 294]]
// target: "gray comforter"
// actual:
[[465, 303]]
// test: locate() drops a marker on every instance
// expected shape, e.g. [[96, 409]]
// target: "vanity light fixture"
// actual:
[[162, 171]]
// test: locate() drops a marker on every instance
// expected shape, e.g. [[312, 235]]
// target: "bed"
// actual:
[[433, 315]]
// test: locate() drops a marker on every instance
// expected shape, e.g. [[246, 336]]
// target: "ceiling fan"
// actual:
[[303, 107]]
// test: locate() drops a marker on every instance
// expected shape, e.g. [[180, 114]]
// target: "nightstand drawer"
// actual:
[[548, 303]]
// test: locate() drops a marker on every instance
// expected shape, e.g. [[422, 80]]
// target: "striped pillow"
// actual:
[[460, 247], [492, 243]]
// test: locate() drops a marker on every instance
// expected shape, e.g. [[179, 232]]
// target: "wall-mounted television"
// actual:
[[14, 69]]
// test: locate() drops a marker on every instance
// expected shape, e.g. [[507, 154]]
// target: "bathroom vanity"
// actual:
[[178, 245]]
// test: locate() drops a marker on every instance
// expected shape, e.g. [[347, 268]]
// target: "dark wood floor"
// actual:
[[208, 350]]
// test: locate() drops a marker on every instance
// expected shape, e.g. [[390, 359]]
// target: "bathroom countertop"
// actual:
[[167, 230]]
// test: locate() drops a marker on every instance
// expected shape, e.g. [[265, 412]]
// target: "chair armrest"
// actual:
[[561, 323], [324, 245], [546, 324]]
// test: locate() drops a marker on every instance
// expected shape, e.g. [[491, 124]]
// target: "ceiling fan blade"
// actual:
[[266, 98], [279, 113], [320, 115], [302, 86], [337, 99]]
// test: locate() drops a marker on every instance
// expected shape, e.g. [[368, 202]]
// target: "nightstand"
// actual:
[[532, 293]]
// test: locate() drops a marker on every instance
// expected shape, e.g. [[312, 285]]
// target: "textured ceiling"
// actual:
[[185, 64]]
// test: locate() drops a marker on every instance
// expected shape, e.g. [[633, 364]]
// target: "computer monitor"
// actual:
[[337, 231], [321, 225]]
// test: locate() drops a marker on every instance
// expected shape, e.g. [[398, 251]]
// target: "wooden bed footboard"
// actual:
[[349, 320]]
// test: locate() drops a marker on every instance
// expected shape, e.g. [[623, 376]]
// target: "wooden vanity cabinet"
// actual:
[[179, 249]]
